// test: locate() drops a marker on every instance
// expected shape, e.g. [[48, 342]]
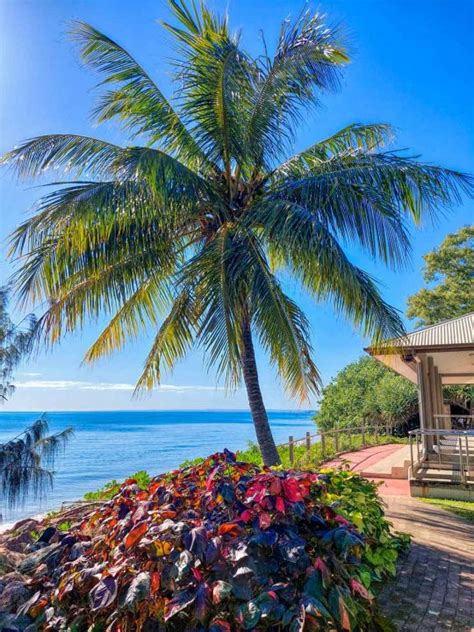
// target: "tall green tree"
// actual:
[[450, 267], [26, 461], [185, 234], [366, 393]]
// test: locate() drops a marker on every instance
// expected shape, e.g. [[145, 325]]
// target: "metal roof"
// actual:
[[458, 331]]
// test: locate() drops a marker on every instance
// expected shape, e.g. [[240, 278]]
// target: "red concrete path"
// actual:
[[361, 460]]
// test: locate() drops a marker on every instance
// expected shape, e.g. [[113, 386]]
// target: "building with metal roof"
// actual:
[[431, 358]]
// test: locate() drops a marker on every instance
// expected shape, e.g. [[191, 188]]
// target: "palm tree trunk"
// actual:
[[259, 414]]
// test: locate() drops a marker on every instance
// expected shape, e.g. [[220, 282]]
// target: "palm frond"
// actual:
[[136, 315], [95, 221], [221, 273], [366, 197], [67, 152], [308, 59], [135, 99], [174, 339], [195, 24], [353, 139], [283, 330], [91, 289], [314, 256], [16, 341]]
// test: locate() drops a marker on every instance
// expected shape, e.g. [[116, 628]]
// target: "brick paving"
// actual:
[[434, 587]]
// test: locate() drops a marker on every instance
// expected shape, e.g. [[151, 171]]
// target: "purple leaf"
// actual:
[[104, 593]]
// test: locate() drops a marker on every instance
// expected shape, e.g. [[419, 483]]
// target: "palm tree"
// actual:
[[192, 232], [26, 461]]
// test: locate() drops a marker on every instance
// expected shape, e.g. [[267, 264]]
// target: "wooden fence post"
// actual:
[[350, 438], [291, 446], [308, 442], [363, 436], [336, 440], [323, 444]]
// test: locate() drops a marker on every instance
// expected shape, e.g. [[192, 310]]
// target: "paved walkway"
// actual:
[[434, 588], [372, 461], [369, 458]]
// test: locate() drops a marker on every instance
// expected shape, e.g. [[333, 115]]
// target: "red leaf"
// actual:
[[197, 574], [264, 520], [135, 534], [280, 504], [210, 478], [292, 490], [344, 615], [358, 588], [275, 487], [229, 527], [246, 516], [155, 582], [219, 625], [256, 492]]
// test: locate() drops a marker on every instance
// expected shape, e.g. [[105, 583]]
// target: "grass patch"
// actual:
[[462, 508], [111, 488]]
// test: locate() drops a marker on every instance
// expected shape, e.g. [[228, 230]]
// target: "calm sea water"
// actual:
[[115, 444]]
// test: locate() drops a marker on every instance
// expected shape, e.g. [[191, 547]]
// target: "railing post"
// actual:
[[308, 442], [363, 436], [468, 470], [461, 465], [336, 440], [291, 446], [350, 437], [323, 444], [411, 454]]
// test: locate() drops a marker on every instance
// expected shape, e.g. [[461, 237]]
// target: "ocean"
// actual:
[[115, 444]]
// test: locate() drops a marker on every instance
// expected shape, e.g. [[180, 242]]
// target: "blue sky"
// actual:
[[413, 66]]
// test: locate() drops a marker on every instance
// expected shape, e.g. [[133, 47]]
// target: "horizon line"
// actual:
[[158, 410]]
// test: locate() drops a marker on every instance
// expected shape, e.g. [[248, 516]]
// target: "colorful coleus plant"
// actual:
[[223, 546]]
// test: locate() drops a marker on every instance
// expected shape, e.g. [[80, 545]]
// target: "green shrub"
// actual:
[[111, 488], [356, 498]]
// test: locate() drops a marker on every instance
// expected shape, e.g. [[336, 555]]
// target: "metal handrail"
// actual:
[[430, 432], [463, 448], [454, 416]]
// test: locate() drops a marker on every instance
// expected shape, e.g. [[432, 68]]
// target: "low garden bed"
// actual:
[[222, 546]]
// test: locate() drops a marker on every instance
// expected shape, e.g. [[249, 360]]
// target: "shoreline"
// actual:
[[8, 526]]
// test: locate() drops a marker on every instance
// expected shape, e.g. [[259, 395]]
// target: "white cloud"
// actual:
[[63, 385], [26, 374]]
